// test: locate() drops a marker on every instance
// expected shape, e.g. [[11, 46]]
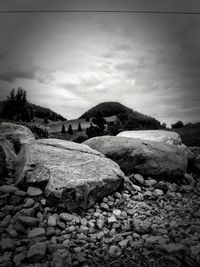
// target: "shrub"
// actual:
[[63, 129], [70, 130]]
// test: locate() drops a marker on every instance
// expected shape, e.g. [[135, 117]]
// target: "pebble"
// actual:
[[68, 217], [29, 202], [123, 243], [28, 221], [37, 251], [18, 258], [112, 219], [136, 187], [8, 189], [104, 206], [158, 192], [150, 182], [117, 213], [139, 179], [162, 186], [52, 221], [20, 193], [35, 232], [34, 191], [100, 223], [114, 251], [7, 244]]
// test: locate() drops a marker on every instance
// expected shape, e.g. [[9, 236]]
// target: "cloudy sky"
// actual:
[[70, 62]]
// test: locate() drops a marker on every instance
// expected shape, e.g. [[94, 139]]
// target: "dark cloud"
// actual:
[[12, 74]]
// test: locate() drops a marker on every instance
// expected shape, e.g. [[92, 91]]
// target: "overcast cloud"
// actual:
[[70, 62]]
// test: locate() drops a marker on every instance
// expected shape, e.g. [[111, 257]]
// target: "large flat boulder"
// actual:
[[16, 134], [162, 136], [158, 160], [74, 175], [7, 154]]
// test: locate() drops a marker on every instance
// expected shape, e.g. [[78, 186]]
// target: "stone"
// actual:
[[7, 244], [117, 212], [112, 219], [75, 175], [29, 202], [35, 232], [158, 192], [8, 189], [6, 221], [141, 227], [16, 134], [123, 243], [37, 251], [172, 248], [20, 193], [18, 258], [104, 206], [161, 136], [62, 257], [100, 223], [67, 217], [52, 221], [188, 178], [148, 158], [162, 186], [114, 251], [150, 182], [28, 220], [136, 187], [34, 191], [138, 178]]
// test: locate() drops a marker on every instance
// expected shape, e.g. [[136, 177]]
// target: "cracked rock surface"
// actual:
[[73, 175]]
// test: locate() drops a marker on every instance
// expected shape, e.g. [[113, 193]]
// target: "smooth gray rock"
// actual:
[[161, 136], [16, 134], [148, 158], [74, 175]]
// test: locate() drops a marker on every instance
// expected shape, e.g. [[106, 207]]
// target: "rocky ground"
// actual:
[[156, 224]]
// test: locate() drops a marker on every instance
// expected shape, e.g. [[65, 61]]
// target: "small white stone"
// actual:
[[158, 192], [117, 212], [112, 219]]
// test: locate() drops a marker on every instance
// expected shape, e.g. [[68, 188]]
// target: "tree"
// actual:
[[79, 127], [63, 129], [46, 121], [99, 120], [70, 131], [93, 131], [177, 124], [113, 128], [16, 107]]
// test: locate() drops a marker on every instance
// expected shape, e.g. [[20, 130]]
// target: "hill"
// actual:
[[133, 119], [41, 112], [108, 109], [190, 134]]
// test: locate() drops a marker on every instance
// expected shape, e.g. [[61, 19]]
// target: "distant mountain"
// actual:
[[41, 112], [108, 109], [190, 134], [132, 119]]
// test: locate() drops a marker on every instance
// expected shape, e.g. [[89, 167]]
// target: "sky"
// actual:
[[69, 62]]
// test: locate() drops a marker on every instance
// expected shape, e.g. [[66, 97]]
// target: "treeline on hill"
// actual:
[[126, 119], [16, 107]]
